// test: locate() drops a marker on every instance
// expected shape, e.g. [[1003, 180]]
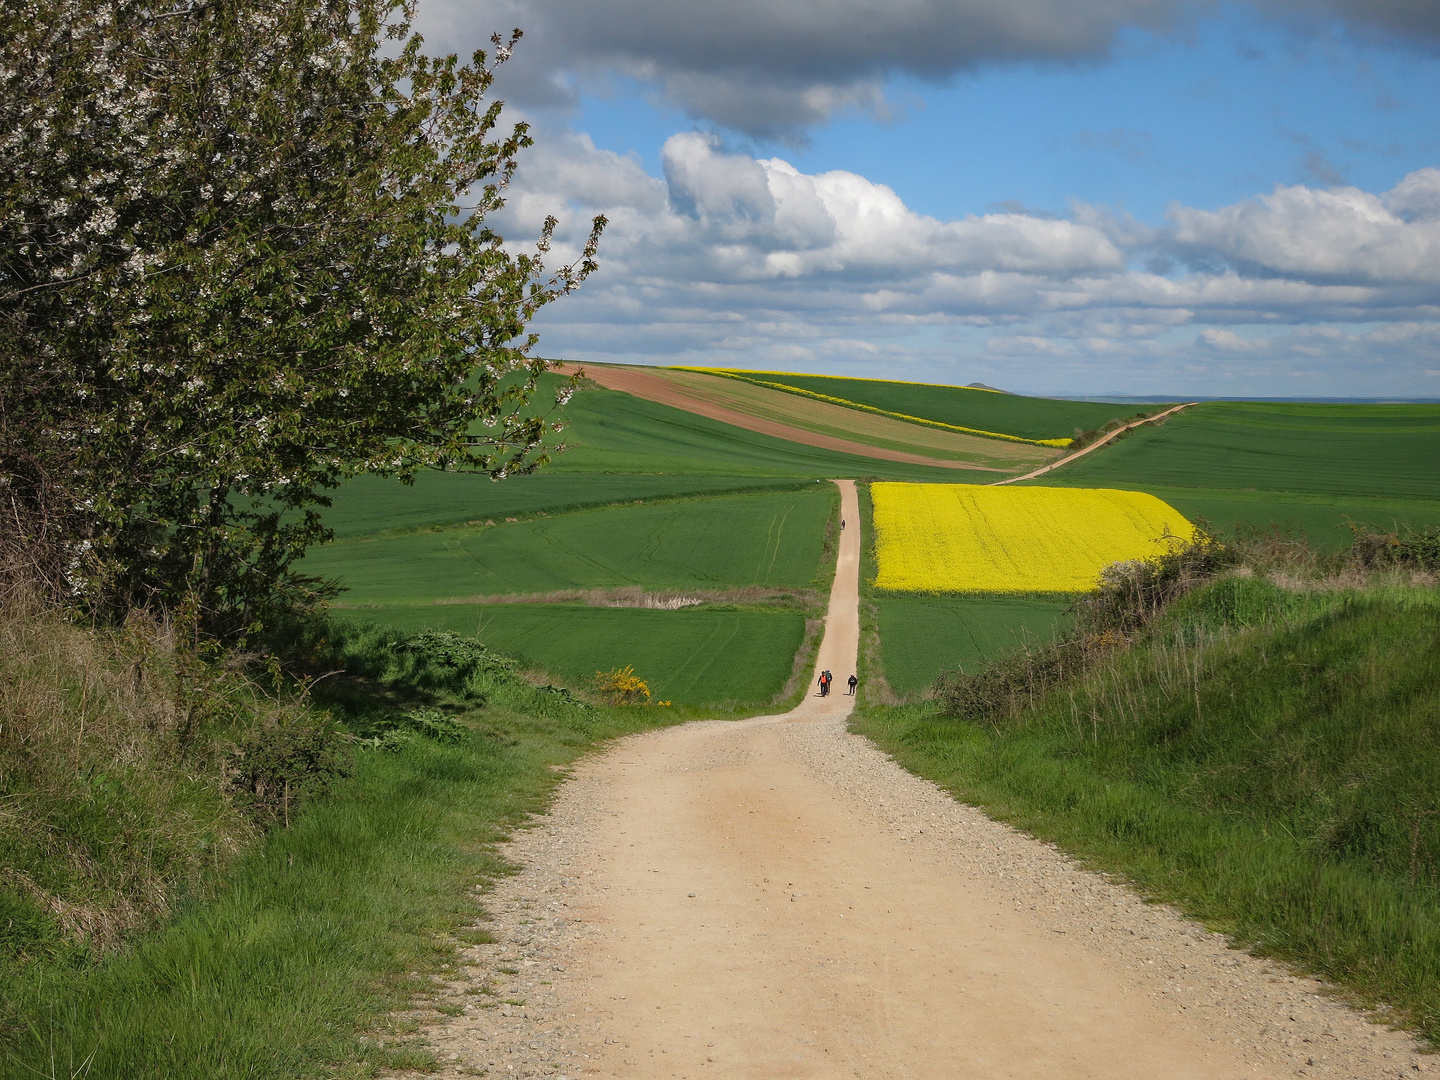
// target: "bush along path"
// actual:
[[775, 897]]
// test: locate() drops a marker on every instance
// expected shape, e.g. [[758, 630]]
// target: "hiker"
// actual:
[[824, 686], [842, 524], [854, 682]]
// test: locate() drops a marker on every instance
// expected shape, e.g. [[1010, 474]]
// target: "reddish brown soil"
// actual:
[[655, 388]]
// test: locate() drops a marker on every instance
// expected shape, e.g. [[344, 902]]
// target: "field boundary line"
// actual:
[[1096, 445], [1050, 444], [657, 389]]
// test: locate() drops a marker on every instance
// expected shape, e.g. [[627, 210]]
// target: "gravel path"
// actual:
[[776, 898]]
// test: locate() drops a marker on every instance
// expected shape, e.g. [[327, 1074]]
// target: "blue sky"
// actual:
[[1216, 116], [1142, 199]]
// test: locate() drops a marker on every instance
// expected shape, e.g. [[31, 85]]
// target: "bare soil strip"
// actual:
[[775, 898], [632, 596], [1096, 445], [660, 389]]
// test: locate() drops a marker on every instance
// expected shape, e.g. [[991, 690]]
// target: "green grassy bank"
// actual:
[[1264, 759], [292, 964]]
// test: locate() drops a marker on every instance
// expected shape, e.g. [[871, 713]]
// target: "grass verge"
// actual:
[[324, 928], [1264, 759]]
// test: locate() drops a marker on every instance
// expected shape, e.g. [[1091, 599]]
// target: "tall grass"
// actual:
[[293, 963], [1266, 756], [118, 759]]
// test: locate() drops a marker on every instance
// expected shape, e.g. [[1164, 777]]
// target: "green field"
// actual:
[[1367, 450], [923, 636], [1007, 414], [772, 539], [614, 432], [694, 656], [1323, 521], [1311, 465], [368, 505]]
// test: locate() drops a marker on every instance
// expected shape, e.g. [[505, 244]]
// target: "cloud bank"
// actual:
[[734, 260], [775, 67]]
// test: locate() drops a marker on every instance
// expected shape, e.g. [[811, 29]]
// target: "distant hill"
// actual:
[[976, 408]]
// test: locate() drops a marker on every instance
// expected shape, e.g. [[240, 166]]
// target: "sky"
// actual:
[[1136, 197]]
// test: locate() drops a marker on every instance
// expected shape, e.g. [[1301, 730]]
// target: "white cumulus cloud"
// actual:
[[1339, 234], [730, 258]]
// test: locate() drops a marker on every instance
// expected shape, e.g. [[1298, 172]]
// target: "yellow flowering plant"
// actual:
[[971, 539]]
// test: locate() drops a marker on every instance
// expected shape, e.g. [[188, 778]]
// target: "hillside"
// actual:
[[1312, 467], [832, 425], [650, 505], [1264, 758], [572, 569], [979, 408]]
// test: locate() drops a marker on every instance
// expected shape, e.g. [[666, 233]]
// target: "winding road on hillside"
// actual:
[[776, 898]]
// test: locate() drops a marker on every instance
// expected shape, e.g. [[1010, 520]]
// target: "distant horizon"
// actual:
[[1240, 198], [1119, 398]]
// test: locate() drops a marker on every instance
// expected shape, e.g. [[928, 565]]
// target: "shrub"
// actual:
[[1408, 549], [621, 686], [393, 733], [1131, 594], [287, 759]]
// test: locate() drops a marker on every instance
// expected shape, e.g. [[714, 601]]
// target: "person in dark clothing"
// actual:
[[853, 682]]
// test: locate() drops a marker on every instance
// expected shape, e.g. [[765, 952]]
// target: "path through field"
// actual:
[[1104, 440], [775, 898]]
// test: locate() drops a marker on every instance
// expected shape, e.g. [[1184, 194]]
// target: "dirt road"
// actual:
[[1096, 445], [775, 898]]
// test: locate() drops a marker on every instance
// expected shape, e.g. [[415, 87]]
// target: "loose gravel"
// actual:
[[520, 1007]]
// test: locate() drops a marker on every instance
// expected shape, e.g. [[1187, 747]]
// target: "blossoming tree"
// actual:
[[243, 256]]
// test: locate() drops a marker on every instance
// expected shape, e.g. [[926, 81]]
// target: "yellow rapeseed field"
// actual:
[[967, 538]]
